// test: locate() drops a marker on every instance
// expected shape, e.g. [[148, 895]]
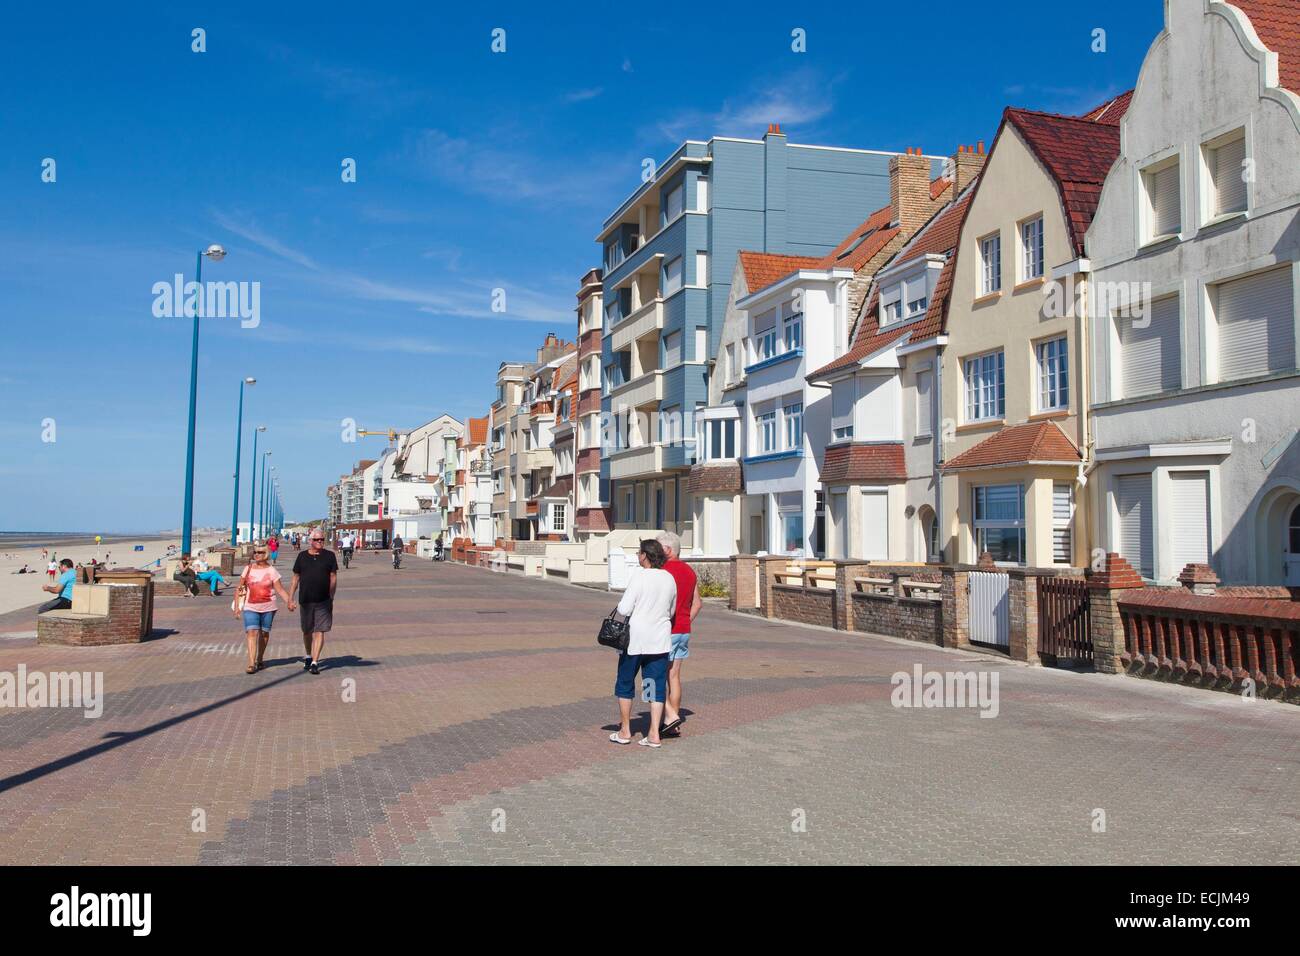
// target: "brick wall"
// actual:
[[125, 623], [804, 605], [915, 619]]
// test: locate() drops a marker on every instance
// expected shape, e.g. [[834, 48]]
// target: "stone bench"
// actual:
[[117, 613]]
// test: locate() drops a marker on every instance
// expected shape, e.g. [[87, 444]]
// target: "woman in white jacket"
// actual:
[[647, 605]]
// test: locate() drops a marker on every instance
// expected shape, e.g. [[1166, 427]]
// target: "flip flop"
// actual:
[[672, 725], [647, 742], [615, 738], [250, 669]]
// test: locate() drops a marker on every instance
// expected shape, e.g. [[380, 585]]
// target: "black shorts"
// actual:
[[317, 617]]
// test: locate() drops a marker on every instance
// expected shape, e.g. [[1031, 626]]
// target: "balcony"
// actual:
[[589, 341], [635, 462], [588, 461], [648, 389], [531, 460], [647, 319]]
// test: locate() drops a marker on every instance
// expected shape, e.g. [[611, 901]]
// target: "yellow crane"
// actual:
[[392, 433]]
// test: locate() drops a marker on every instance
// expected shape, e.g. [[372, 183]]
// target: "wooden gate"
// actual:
[[990, 608], [1064, 630]]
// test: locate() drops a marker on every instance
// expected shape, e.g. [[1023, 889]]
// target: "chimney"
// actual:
[[965, 165], [909, 190], [774, 129]]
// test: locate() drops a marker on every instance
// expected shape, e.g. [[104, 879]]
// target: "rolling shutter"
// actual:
[[875, 525], [1190, 506], [672, 349], [1229, 183], [1256, 324], [1062, 516], [1166, 216], [1133, 501], [1151, 358], [924, 402]]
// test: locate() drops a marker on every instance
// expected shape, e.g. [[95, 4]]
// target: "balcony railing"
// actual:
[[641, 322], [646, 389], [634, 462]]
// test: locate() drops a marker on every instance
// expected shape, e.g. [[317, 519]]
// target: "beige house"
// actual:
[[1014, 423]]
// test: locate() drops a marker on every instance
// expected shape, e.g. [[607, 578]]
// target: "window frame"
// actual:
[[990, 277], [1057, 364], [974, 398], [1028, 253]]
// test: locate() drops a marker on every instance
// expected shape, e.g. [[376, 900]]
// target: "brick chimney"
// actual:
[[909, 189], [965, 165]]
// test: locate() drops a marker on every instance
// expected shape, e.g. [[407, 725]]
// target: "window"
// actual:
[[628, 513], [672, 277], [985, 378], [1053, 375], [729, 359], [702, 269], [999, 522], [842, 410], [924, 402], [1031, 249], [990, 264], [673, 203], [498, 482], [792, 531], [670, 424], [1190, 504], [1062, 517], [720, 439], [765, 336], [765, 432], [1163, 200], [1133, 503], [794, 426], [1256, 324], [558, 518], [702, 194], [793, 337], [917, 306], [672, 349], [1150, 356], [893, 312], [1226, 160]]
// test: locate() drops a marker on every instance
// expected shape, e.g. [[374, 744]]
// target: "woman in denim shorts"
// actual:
[[256, 604]]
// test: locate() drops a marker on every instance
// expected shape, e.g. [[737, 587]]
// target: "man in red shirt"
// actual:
[[688, 605]]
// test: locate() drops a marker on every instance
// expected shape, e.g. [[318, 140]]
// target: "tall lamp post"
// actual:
[[266, 484], [252, 484], [239, 435], [216, 254]]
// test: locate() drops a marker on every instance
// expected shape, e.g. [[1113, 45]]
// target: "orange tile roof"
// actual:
[[1019, 445], [856, 463], [939, 186], [1110, 112], [763, 268], [1277, 22], [937, 237]]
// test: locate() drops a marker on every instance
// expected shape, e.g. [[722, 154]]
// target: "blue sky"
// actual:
[[475, 170]]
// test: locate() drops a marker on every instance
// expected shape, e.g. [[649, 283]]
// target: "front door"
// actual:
[[1291, 557]]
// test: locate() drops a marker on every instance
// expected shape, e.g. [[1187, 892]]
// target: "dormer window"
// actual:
[[892, 312]]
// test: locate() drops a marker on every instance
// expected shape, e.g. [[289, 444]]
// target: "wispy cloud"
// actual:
[[627, 65], [797, 100], [579, 96], [250, 231]]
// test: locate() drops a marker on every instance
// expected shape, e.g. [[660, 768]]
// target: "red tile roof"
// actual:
[[562, 488], [1277, 22], [714, 477], [1110, 112], [1077, 152], [856, 463], [1019, 445], [763, 268], [938, 237], [939, 186]]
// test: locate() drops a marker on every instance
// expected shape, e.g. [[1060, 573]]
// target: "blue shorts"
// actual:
[[681, 647], [258, 620], [654, 668]]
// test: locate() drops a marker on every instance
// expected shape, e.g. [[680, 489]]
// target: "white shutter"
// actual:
[[924, 402], [672, 349], [842, 404], [701, 268], [1062, 516], [702, 194], [1256, 324], [840, 524], [1133, 500], [672, 277], [1166, 214], [765, 322], [1151, 360], [1229, 178], [673, 205], [1190, 507], [875, 525]]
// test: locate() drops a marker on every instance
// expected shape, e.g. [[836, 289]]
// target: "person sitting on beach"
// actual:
[[62, 589]]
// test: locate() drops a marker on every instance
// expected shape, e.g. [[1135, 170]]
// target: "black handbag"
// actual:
[[613, 633]]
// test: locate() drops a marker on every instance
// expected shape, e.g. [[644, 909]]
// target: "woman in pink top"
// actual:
[[258, 586]]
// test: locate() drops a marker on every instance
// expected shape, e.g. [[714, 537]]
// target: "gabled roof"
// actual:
[[1277, 22], [1019, 445], [1077, 152], [1110, 112], [763, 268], [937, 237]]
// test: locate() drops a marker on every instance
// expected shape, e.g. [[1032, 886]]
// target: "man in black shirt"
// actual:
[[316, 571]]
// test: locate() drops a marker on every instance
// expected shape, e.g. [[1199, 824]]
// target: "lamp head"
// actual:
[[215, 252], [250, 381]]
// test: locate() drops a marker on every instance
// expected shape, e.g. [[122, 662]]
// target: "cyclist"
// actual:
[[347, 544], [397, 551]]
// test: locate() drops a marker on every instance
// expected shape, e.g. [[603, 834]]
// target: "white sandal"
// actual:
[[647, 742], [616, 739]]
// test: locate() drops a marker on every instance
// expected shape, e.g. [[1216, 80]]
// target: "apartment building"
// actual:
[[532, 458], [1195, 256], [510, 391], [471, 497], [555, 513], [761, 439], [412, 484], [1014, 397], [591, 491], [669, 250]]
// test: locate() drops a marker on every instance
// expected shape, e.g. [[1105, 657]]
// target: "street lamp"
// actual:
[[252, 484], [266, 486], [239, 434], [216, 254]]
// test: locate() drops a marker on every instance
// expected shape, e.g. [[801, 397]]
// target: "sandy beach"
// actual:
[[24, 590]]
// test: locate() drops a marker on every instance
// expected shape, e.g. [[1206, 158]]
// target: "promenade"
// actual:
[[478, 734]]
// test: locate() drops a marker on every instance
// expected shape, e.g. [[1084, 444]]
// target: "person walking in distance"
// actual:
[[688, 605], [273, 545], [316, 572]]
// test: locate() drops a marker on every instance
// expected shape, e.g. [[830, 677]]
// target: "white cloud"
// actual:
[[796, 101], [578, 96]]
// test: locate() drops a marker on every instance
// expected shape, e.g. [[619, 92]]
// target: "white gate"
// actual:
[[990, 611]]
